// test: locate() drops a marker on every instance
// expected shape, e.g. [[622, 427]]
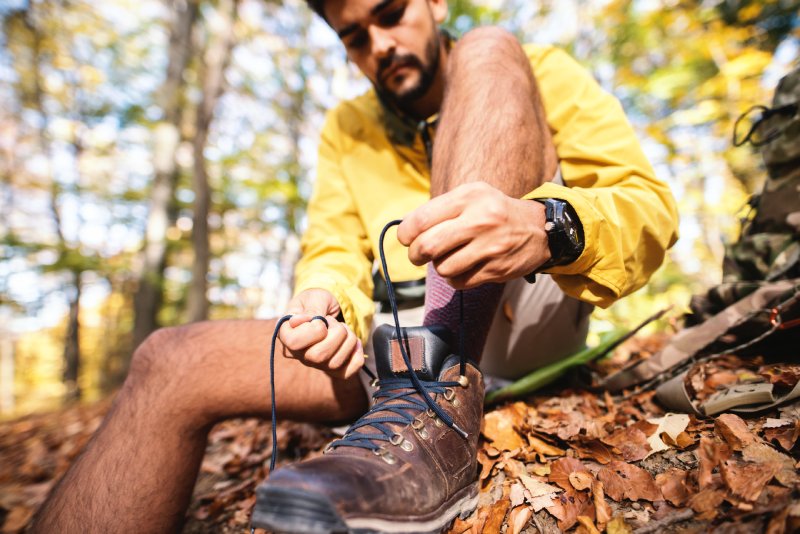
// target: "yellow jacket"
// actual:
[[373, 168]]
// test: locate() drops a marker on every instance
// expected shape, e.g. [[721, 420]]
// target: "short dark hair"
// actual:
[[316, 6]]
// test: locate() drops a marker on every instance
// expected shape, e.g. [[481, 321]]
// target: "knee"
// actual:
[[488, 43], [159, 357]]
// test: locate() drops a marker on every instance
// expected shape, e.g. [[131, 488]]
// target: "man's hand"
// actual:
[[475, 234], [335, 349]]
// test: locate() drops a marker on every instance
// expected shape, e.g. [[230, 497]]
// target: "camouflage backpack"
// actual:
[[769, 248], [756, 308]]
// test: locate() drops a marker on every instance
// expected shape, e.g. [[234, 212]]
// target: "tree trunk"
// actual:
[[72, 348], [153, 258], [213, 79]]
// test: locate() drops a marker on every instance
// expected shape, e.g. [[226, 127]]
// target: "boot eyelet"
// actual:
[[463, 381], [389, 458], [438, 422], [430, 413], [423, 433], [407, 446], [396, 439], [456, 403], [417, 424], [449, 394], [377, 452]]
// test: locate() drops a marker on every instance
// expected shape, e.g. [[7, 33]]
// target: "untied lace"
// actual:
[[392, 389]]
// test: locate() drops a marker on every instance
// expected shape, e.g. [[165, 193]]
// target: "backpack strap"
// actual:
[[691, 342]]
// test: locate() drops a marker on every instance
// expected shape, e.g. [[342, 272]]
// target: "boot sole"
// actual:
[[294, 511]]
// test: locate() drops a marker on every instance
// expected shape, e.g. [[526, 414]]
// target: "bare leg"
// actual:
[[492, 129], [137, 473]]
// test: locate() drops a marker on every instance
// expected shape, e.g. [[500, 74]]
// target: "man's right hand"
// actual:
[[335, 349]]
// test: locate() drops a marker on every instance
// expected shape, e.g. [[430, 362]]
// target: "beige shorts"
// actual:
[[534, 325]]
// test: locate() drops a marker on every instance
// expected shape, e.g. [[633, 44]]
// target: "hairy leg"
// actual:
[[138, 471], [492, 129]]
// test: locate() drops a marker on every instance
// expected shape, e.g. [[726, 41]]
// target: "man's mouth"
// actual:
[[393, 70]]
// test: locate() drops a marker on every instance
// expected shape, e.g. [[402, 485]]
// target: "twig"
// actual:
[[658, 526]]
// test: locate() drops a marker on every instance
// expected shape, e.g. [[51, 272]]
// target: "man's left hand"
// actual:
[[475, 234]]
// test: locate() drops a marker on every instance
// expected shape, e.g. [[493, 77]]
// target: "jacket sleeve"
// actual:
[[335, 251], [629, 217]]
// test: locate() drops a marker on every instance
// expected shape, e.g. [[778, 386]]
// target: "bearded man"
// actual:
[[504, 162]]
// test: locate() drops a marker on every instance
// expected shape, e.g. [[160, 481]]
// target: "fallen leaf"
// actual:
[[536, 488], [601, 507], [706, 502], [538, 503], [777, 524], [623, 480], [541, 470], [681, 441], [763, 453], [518, 519], [561, 469], [710, 453], [487, 464], [587, 523], [581, 480], [594, 450], [632, 440], [542, 447], [747, 480], [17, 519], [672, 484], [568, 506], [734, 431], [513, 468], [784, 375], [671, 426], [496, 517], [499, 428], [516, 494], [784, 435], [618, 526]]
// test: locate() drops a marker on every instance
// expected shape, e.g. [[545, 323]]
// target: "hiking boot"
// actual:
[[401, 467]]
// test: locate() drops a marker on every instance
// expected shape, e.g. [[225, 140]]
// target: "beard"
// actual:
[[427, 69]]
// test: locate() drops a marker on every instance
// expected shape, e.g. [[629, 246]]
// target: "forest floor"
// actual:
[[564, 459]]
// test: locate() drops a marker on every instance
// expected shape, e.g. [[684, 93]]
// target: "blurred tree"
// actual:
[[219, 41], [153, 259]]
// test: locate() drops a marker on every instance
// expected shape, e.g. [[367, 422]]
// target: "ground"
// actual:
[[564, 459]]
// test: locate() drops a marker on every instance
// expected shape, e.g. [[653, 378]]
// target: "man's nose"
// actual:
[[383, 43]]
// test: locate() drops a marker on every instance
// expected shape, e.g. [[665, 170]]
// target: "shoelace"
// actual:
[[393, 389]]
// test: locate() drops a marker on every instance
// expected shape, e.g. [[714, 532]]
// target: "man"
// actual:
[[408, 465]]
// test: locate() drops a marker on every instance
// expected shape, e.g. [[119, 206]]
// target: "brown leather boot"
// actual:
[[401, 467]]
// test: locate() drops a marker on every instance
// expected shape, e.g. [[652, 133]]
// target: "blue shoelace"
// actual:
[[399, 396]]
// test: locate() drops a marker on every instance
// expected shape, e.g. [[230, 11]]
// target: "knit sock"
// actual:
[[442, 307]]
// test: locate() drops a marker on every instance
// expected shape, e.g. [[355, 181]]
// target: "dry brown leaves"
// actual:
[[573, 461]]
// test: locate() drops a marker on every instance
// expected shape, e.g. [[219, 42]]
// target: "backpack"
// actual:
[[756, 308]]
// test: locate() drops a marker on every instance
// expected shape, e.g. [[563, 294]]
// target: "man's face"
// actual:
[[395, 43]]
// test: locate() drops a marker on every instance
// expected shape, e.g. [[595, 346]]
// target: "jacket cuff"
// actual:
[[590, 277]]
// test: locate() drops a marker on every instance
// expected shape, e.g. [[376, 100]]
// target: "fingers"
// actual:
[[435, 211], [439, 241], [300, 332]]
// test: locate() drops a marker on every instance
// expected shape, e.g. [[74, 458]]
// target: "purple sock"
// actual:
[[442, 307]]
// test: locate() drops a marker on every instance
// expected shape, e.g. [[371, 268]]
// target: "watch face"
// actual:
[[566, 241]]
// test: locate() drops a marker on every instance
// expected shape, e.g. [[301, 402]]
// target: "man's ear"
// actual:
[[439, 10]]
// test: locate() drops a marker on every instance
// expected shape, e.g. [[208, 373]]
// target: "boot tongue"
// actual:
[[427, 346]]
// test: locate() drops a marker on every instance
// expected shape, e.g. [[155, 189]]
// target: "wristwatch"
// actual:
[[564, 234]]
